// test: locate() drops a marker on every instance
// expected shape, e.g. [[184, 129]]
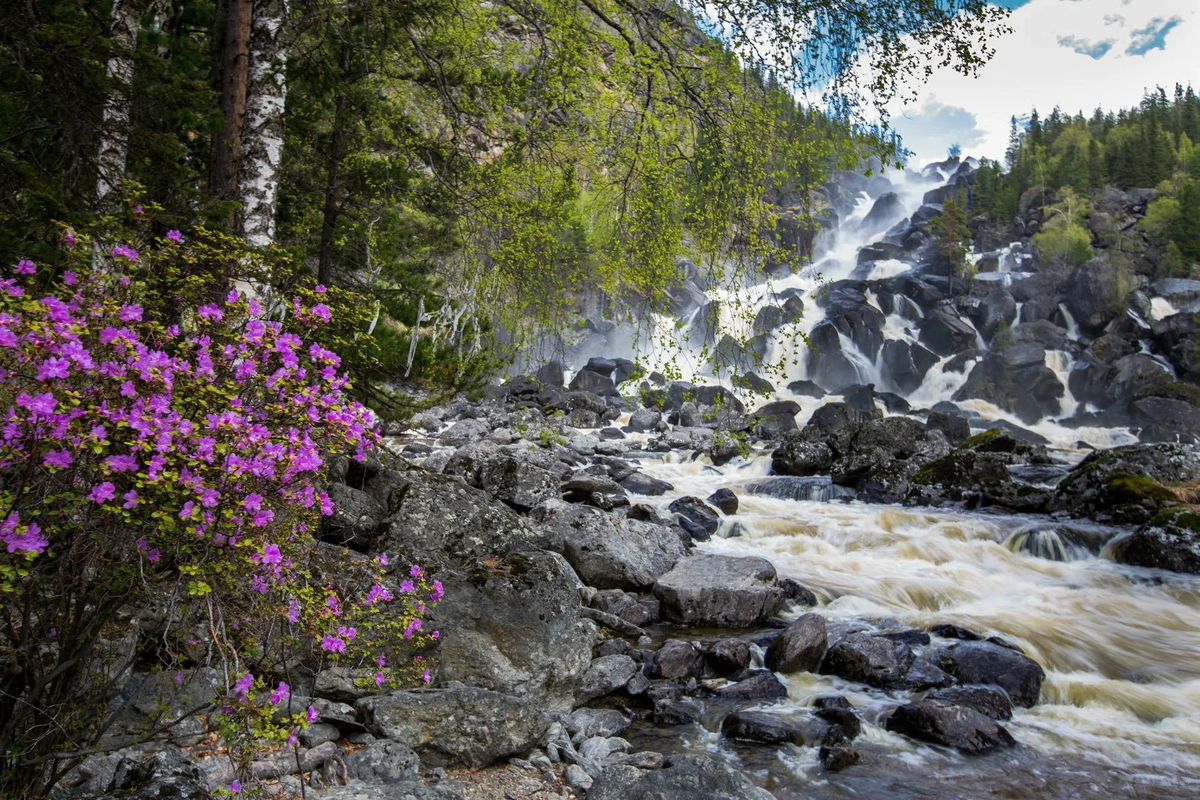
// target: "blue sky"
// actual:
[[1076, 54]]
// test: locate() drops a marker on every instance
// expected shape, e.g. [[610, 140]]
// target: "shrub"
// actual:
[[173, 471], [1063, 242]]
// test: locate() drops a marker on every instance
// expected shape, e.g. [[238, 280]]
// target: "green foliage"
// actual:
[[1063, 243], [1185, 230], [953, 238], [1160, 218]]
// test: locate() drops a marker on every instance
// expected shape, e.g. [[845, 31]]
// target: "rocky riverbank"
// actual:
[[581, 601]]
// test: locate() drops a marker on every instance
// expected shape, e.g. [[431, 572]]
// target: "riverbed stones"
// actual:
[[758, 685], [455, 726], [724, 500], [683, 778], [384, 761], [990, 663], [727, 656], [984, 699], [679, 660], [720, 591], [698, 513], [756, 726], [960, 727], [799, 647]]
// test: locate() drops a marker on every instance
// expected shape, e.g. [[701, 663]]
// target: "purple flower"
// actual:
[[242, 687], [53, 367], [379, 679], [25, 267], [332, 603], [321, 311], [406, 587], [293, 611], [280, 694], [438, 592], [311, 715], [186, 511], [426, 678], [235, 786], [121, 251], [415, 571], [252, 501], [263, 517], [413, 627], [131, 500], [70, 278], [383, 560], [271, 555], [121, 463], [58, 458], [333, 644], [211, 312], [131, 313], [175, 236], [137, 209], [102, 493], [42, 405], [153, 555], [320, 289]]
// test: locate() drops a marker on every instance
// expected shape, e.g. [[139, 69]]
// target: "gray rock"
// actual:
[[1170, 541], [455, 726], [342, 684], [411, 790], [464, 432], [512, 478], [640, 483], [1128, 483], [644, 420], [756, 726], [356, 517], [960, 727], [679, 660], [990, 702], [514, 627], [597, 722], [760, 685], [683, 778], [724, 500], [799, 457], [727, 656], [698, 512], [880, 662], [720, 591], [605, 675], [608, 552], [318, 733], [576, 776], [384, 762], [986, 662], [799, 647]]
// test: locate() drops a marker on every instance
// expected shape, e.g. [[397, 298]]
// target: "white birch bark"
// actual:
[[262, 139], [114, 124]]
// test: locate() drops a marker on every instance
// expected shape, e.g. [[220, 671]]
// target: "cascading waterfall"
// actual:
[[1121, 703]]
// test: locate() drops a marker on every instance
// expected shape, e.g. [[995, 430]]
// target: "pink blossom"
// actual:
[[103, 492], [70, 278], [415, 571], [333, 644], [242, 687], [320, 289], [235, 786], [407, 587], [131, 313], [186, 511], [153, 555], [426, 677], [263, 517], [131, 500], [280, 694], [379, 678], [293, 611], [53, 367], [58, 458], [311, 715], [122, 251], [271, 554], [175, 236], [25, 267]]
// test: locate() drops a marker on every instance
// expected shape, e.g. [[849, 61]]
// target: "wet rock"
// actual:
[[588, 381], [727, 656], [846, 726], [819, 488], [1170, 541], [1128, 483], [756, 726], [384, 762], [550, 374], [640, 483], [698, 513], [595, 490], [683, 778], [945, 334], [1089, 294], [989, 663], [964, 471], [799, 647], [645, 420], [836, 759], [720, 591], [806, 389], [955, 426], [759, 685], [880, 662], [987, 701], [606, 551], [752, 383], [679, 660], [605, 675], [590, 722], [905, 366], [675, 712], [724, 500], [455, 726], [800, 457], [960, 727]]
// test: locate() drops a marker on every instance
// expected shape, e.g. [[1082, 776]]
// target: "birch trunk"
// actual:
[[262, 138], [114, 125]]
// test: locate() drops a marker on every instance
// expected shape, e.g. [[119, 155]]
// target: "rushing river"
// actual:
[[1119, 714]]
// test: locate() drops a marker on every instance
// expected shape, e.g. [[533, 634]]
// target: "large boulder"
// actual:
[[1090, 294], [608, 552], [828, 365], [990, 663], [512, 477], [799, 647], [684, 778], [720, 591], [905, 365], [800, 457], [356, 517], [1170, 541], [881, 662], [945, 334], [510, 614], [457, 725], [1127, 484], [960, 727]]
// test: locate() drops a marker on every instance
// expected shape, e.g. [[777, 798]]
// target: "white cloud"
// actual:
[[1042, 64]]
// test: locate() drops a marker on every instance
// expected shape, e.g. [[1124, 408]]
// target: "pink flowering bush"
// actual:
[[171, 468]]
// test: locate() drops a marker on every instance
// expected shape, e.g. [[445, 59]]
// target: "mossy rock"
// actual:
[[1170, 541], [979, 440], [1174, 390], [1128, 484], [964, 470]]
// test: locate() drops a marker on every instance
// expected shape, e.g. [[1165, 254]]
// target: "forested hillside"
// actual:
[[1062, 160], [471, 169]]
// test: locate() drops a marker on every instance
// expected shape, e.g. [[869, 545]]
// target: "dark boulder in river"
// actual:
[[1170, 541], [960, 727]]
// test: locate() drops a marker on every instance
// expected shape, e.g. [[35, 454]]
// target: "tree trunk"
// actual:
[[233, 63], [262, 139], [114, 125], [330, 213]]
